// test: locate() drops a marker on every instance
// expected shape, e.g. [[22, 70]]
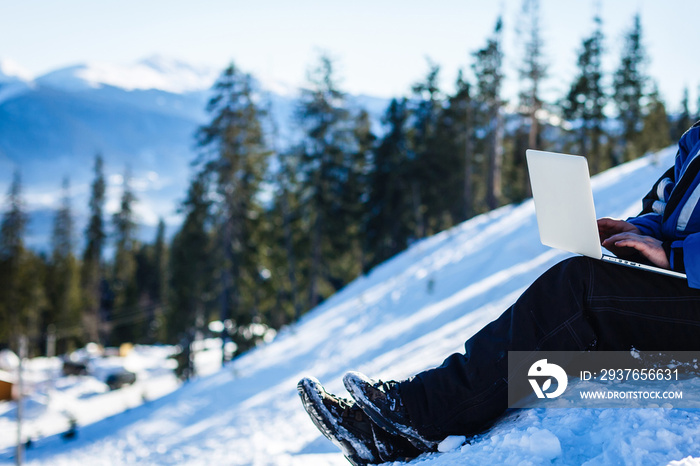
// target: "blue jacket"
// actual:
[[671, 210]]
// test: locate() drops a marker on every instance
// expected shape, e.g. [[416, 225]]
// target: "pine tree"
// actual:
[[159, 291], [125, 315], [390, 214], [426, 166], [284, 236], [684, 121], [462, 106], [151, 282], [12, 253], [281, 237], [586, 100], [21, 274], [355, 197], [454, 150], [236, 156], [325, 166], [532, 72], [63, 280], [630, 83], [489, 78], [92, 271], [14, 222], [655, 134], [191, 262]]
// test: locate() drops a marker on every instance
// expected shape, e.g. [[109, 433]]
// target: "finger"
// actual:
[[639, 247], [636, 243], [606, 223], [623, 236]]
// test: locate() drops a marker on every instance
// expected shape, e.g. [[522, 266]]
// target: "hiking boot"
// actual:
[[381, 401], [392, 447], [343, 422]]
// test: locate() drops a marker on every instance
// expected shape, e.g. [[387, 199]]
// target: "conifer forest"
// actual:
[[269, 232]]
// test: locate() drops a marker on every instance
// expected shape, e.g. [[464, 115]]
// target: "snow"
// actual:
[[11, 71], [157, 72], [14, 79], [405, 316], [451, 443]]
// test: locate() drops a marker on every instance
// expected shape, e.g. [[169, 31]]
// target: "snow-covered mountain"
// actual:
[[406, 315], [142, 117], [14, 79], [155, 73], [11, 71]]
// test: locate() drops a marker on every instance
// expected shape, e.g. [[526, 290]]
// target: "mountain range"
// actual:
[[142, 118]]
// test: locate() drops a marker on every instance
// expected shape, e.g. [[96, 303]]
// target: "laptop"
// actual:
[[561, 188]]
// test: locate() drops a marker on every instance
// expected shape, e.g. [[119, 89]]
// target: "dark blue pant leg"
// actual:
[[578, 304]]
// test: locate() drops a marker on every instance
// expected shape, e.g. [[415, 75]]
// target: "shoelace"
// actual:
[[347, 407], [389, 389]]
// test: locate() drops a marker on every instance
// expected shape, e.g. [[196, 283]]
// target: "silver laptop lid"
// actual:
[[561, 188]]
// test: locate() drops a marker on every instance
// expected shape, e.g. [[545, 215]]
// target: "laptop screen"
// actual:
[[561, 188]]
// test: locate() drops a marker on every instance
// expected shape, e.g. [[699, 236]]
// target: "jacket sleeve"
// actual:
[[684, 256], [684, 253], [653, 204]]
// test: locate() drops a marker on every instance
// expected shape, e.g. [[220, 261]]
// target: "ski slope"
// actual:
[[407, 315]]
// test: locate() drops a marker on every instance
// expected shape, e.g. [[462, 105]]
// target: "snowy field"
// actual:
[[405, 316], [52, 399]]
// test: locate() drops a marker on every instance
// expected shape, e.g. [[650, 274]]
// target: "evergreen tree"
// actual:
[[629, 83], [532, 72], [684, 120], [125, 315], [92, 271], [325, 164], [33, 301], [159, 290], [63, 280], [462, 107], [284, 235], [586, 100], [489, 78], [355, 197], [289, 230], [14, 222], [191, 264], [428, 166], [454, 150], [389, 211], [21, 274], [236, 155], [12, 253], [655, 132], [151, 281]]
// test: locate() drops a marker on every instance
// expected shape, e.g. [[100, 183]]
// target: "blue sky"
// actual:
[[381, 47]]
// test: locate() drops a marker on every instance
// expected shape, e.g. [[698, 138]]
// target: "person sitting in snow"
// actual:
[[580, 304]]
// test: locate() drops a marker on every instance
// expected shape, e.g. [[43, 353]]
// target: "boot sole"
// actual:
[[353, 449]]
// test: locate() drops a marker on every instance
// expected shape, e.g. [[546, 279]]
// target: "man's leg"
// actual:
[[578, 304]]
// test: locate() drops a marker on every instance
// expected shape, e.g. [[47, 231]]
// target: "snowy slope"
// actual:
[[403, 317]]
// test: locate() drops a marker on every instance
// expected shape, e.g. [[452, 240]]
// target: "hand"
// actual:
[[649, 247], [608, 227]]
